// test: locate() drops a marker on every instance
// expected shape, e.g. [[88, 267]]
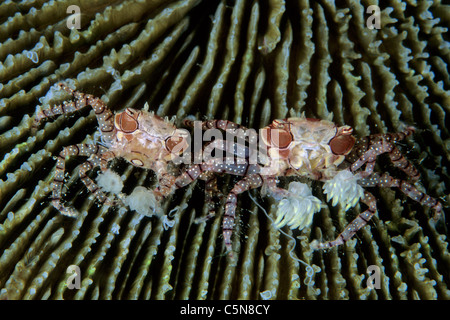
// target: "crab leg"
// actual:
[[368, 148], [249, 182], [401, 162], [234, 152], [276, 192], [96, 159], [168, 183], [194, 171], [215, 124], [363, 144], [252, 179], [349, 231], [389, 182], [211, 190], [369, 157], [104, 116], [165, 187]]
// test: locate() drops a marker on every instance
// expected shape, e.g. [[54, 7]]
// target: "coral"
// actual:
[[249, 62]]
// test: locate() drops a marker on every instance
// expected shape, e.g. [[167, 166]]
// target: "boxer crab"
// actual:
[[142, 138], [319, 150]]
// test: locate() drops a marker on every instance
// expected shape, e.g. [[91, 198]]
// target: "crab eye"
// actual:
[[277, 138], [342, 145], [176, 144], [346, 130], [284, 138], [126, 122], [131, 112], [279, 124]]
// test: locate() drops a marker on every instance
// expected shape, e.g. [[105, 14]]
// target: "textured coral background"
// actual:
[[247, 61]]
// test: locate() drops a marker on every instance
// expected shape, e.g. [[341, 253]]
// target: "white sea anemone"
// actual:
[[55, 92], [344, 189], [143, 201], [110, 181], [298, 208]]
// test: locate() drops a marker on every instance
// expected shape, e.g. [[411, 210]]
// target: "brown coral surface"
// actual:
[[249, 62]]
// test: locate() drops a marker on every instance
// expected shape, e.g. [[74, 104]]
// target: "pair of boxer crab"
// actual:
[[311, 148]]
